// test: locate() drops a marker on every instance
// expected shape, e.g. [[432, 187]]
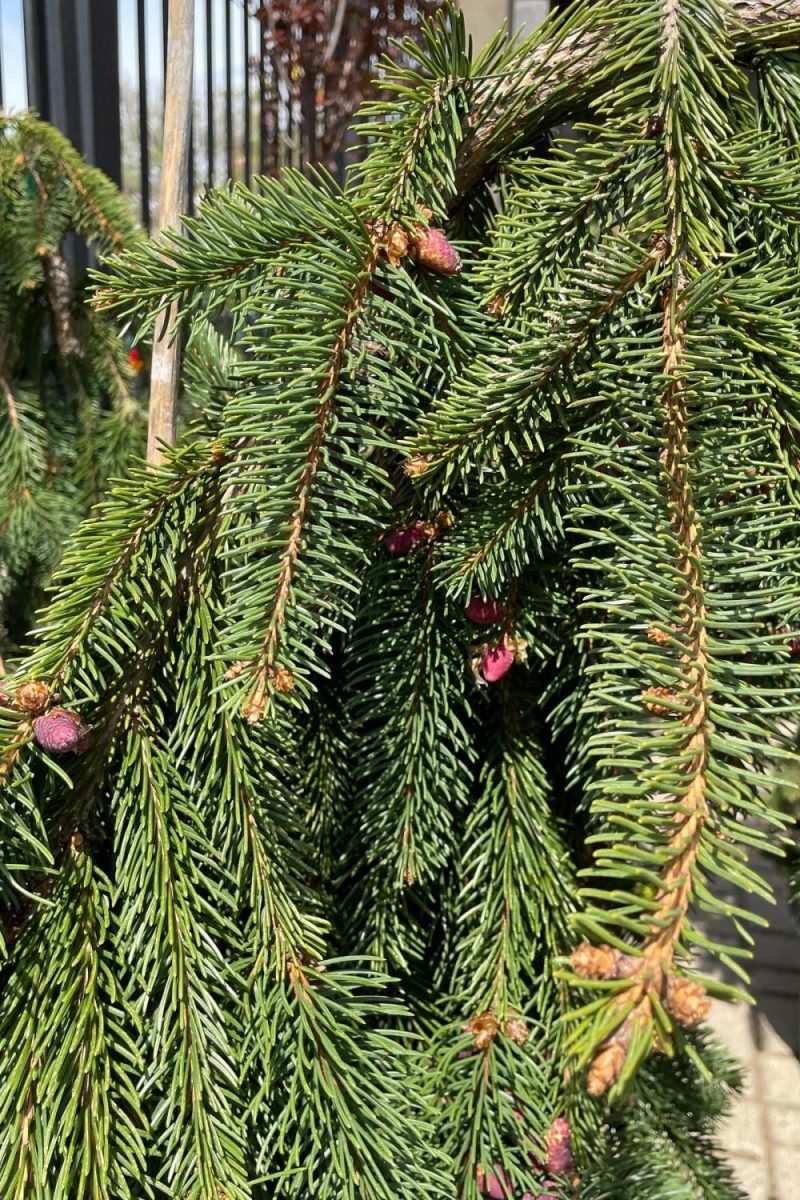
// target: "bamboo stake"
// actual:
[[164, 370]]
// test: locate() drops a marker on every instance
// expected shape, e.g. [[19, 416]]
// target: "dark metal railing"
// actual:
[[276, 82]]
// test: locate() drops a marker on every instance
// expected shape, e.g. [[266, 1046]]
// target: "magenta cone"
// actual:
[[432, 250], [497, 661], [484, 612], [60, 731]]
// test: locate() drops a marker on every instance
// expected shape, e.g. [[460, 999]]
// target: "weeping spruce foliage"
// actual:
[[332, 903], [68, 418]]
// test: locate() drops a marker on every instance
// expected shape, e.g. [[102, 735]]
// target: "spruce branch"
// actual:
[[265, 675], [561, 71]]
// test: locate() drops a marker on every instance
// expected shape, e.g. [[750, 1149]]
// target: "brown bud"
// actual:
[[424, 531], [254, 708], [19, 160], [32, 697], [417, 465], [518, 647], [652, 701], [497, 305], [659, 636], [395, 244], [687, 1001], [653, 126], [516, 1029], [594, 962], [281, 679], [483, 1029], [606, 1067]]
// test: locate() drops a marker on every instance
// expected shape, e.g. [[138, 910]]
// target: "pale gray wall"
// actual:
[[484, 17]]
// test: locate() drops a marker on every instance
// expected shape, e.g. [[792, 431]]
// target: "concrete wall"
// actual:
[[484, 17]]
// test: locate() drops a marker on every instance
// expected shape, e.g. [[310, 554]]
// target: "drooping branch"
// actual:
[[560, 71]]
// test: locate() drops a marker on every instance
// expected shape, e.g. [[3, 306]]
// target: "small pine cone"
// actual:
[[430, 249], [606, 1067], [399, 542], [61, 732], [32, 697], [687, 1001], [497, 661], [516, 1029], [558, 1141], [652, 697], [595, 962], [483, 1029], [483, 611]]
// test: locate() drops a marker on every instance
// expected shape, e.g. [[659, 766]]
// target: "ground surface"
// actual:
[[762, 1134]]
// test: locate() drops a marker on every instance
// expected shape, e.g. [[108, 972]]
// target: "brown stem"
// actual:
[[59, 294], [258, 697], [649, 973], [11, 405], [674, 897]]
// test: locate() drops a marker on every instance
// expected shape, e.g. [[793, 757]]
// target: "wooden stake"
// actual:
[[164, 371]]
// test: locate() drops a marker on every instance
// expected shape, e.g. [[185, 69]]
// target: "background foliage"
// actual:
[[68, 416]]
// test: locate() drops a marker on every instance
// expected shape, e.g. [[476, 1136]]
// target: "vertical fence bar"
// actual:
[[228, 94], [210, 93], [177, 114], [36, 58], [246, 93], [144, 145], [105, 99], [262, 103]]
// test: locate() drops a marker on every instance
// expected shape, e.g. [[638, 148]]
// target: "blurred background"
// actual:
[[275, 84]]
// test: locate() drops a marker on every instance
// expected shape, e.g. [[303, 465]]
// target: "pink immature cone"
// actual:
[[492, 1185], [497, 661], [60, 731], [431, 250], [559, 1148], [484, 612], [400, 541]]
